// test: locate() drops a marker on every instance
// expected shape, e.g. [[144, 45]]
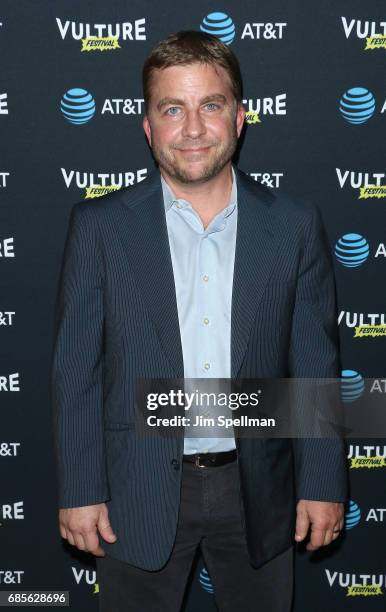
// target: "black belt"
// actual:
[[211, 459]]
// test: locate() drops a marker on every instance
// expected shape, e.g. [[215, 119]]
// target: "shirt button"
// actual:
[[206, 320], [178, 205], [205, 278], [206, 366]]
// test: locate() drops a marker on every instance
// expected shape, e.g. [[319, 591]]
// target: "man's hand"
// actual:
[[324, 518], [79, 526]]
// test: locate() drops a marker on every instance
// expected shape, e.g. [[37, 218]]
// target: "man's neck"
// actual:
[[207, 198]]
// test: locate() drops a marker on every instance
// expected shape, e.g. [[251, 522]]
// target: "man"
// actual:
[[196, 272]]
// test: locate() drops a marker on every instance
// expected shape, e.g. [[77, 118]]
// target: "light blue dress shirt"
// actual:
[[203, 262]]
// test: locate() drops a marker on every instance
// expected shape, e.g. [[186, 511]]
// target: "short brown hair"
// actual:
[[190, 47]]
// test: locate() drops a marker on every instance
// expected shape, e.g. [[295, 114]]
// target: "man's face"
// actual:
[[193, 121]]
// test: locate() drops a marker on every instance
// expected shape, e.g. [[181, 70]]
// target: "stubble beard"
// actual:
[[167, 161]]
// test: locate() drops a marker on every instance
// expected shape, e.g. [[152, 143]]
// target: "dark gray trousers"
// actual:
[[209, 518]]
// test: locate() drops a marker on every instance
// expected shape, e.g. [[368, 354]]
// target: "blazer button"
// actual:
[[175, 463]]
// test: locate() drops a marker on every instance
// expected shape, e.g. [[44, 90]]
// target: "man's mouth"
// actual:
[[193, 149]]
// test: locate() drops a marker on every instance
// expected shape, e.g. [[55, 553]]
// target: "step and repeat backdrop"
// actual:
[[315, 93]]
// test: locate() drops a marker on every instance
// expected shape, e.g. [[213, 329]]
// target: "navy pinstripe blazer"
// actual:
[[116, 319]]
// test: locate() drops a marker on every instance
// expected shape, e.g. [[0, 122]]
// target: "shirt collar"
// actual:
[[169, 196]]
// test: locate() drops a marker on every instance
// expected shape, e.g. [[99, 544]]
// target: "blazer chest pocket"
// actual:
[[280, 290], [282, 282]]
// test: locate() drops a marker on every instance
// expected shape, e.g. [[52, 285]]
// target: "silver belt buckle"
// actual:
[[197, 462]]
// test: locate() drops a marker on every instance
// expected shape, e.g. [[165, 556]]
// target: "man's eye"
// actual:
[[170, 111], [212, 106]]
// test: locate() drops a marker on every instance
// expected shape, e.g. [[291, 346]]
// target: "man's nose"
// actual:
[[194, 125]]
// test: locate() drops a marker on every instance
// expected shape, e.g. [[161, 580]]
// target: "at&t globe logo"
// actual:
[[357, 105], [352, 385], [353, 515], [352, 250], [220, 25], [205, 581], [77, 106]]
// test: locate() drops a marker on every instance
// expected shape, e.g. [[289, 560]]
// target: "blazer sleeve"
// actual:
[[77, 367], [320, 462]]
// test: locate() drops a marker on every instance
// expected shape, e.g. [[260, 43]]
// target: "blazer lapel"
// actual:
[[143, 232], [256, 247]]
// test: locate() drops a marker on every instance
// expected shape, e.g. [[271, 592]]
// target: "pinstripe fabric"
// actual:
[[116, 320]]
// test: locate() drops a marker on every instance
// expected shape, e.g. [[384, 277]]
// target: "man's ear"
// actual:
[[147, 129], [240, 118]]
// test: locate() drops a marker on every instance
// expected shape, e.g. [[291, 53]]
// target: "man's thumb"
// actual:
[[302, 526], [105, 529]]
